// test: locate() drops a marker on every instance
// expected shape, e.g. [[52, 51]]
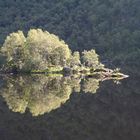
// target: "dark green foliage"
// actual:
[[111, 27], [2, 60]]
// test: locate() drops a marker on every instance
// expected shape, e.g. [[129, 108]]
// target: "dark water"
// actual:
[[69, 108]]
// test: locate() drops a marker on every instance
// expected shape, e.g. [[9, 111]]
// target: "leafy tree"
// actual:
[[38, 51], [90, 58], [75, 59], [14, 49]]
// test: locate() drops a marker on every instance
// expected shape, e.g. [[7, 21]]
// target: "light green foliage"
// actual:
[[42, 50], [75, 83], [90, 85], [14, 49], [16, 94], [36, 52], [46, 49], [60, 56], [90, 58], [116, 70], [39, 94], [75, 59]]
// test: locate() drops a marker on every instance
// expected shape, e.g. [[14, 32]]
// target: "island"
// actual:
[[42, 52]]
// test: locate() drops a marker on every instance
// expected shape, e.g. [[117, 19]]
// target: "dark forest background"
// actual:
[[111, 27]]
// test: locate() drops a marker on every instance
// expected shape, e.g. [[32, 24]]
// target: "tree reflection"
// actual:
[[41, 94], [90, 85]]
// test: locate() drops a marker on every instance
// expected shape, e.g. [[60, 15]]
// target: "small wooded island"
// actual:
[[42, 52]]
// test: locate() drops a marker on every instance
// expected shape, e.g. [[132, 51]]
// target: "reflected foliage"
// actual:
[[39, 94], [112, 114], [42, 94], [90, 85]]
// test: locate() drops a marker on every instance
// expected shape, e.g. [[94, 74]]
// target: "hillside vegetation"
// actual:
[[111, 27]]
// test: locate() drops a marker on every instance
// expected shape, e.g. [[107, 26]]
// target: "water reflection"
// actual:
[[41, 94], [110, 114]]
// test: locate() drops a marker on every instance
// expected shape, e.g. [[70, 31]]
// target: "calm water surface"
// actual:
[[69, 108]]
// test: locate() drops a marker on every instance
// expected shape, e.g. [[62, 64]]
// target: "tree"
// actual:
[[75, 59], [36, 52], [90, 58], [14, 49]]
